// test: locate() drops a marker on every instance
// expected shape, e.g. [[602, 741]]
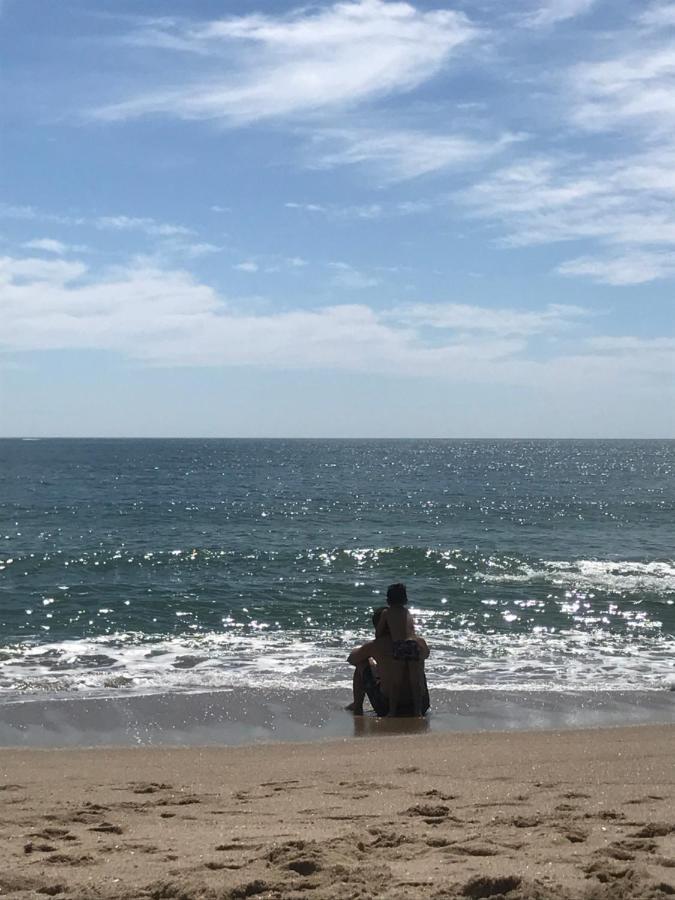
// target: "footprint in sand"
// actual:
[[107, 828], [474, 849], [616, 851], [605, 814], [575, 835], [654, 829], [439, 795], [30, 847], [280, 785], [385, 838], [178, 801], [63, 859], [303, 857], [639, 845], [426, 811], [237, 845], [484, 886], [150, 787], [525, 821]]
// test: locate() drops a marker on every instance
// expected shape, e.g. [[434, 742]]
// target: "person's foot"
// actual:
[[357, 710]]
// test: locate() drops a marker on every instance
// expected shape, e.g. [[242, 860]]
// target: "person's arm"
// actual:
[[361, 654], [424, 647], [410, 624], [382, 625]]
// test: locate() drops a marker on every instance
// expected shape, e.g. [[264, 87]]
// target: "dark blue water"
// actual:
[[142, 564]]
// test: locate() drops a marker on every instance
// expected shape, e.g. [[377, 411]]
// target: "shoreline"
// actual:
[[546, 815], [252, 716]]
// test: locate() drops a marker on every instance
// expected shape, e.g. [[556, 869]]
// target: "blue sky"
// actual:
[[362, 218]]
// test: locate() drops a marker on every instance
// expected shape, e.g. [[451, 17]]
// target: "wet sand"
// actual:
[[569, 815], [250, 715]]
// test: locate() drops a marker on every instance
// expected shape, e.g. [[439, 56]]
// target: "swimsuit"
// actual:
[[406, 650]]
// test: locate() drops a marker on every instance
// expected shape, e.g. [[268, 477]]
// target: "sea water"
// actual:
[[140, 566]]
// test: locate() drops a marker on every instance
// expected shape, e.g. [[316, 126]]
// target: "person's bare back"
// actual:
[[396, 621]]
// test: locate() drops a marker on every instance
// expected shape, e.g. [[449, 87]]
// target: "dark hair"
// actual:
[[377, 615], [397, 594]]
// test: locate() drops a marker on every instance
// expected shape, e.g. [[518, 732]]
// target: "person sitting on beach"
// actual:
[[397, 622], [383, 680]]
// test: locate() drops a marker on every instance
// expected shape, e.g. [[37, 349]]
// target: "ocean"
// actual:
[[141, 566]]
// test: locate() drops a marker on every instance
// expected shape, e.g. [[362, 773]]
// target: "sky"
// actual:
[[348, 219]]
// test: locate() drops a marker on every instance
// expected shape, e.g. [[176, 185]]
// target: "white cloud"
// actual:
[[401, 155], [148, 226], [48, 245], [466, 318], [165, 316], [658, 15], [192, 250], [365, 210], [309, 60], [33, 270], [632, 344], [31, 214], [247, 266], [633, 88], [144, 224], [305, 207], [346, 276], [625, 203], [353, 211], [553, 11], [628, 268]]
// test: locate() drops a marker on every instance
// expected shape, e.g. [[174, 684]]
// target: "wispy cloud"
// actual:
[[364, 210], [147, 226], [553, 11], [47, 245], [501, 321], [624, 204], [346, 276], [310, 60], [143, 224], [167, 317], [658, 15], [631, 88], [401, 155], [627, 268]]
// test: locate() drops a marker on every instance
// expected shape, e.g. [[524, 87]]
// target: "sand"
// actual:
[[573, 815]]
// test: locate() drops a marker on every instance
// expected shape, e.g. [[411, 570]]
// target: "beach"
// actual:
[[576, 814], [175, 622]]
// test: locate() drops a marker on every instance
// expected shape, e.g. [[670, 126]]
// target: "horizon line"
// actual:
[[103, 437]]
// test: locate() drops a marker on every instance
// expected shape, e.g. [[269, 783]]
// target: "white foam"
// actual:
[[558, 661], [621, 576]]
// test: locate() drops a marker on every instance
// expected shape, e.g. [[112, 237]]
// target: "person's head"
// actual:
[[377, 615], [397, 594]]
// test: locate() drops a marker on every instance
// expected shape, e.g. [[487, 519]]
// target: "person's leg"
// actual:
[[359, 689], [374, 693], [426, 703], [395, 687], [416, 686]]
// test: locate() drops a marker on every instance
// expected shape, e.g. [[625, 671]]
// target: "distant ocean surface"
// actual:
[[147, 565]]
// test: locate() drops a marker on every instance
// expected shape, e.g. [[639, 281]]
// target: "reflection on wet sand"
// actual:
[[367, 726]]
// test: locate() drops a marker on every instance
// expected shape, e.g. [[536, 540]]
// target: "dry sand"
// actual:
[[585, 814]]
